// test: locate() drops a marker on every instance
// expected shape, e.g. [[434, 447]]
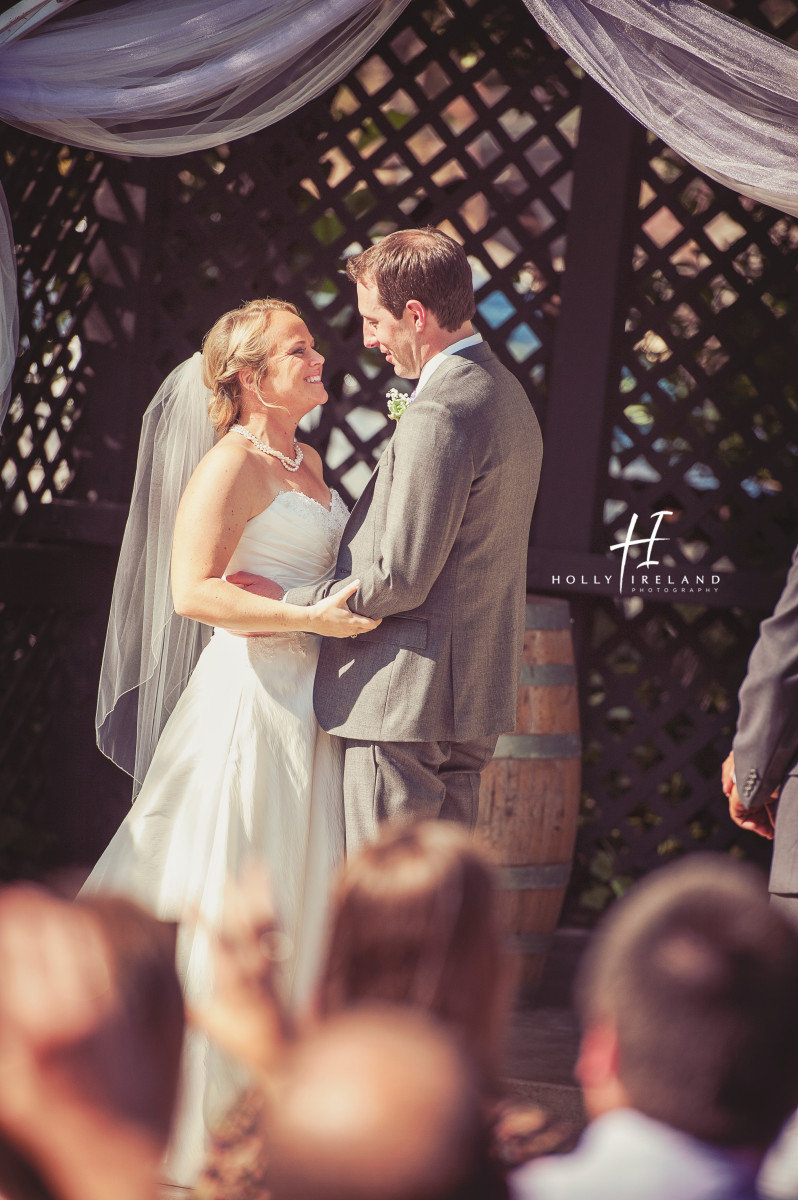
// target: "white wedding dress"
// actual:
[[241, 773]]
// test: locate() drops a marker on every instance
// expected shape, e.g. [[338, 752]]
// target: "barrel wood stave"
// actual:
[[529, 798]]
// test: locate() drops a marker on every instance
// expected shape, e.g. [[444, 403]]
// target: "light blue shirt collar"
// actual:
[[430, 367]]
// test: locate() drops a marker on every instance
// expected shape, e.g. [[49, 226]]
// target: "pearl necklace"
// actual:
[[290, 464]]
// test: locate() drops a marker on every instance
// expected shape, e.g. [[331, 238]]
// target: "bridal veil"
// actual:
[[150, 651]]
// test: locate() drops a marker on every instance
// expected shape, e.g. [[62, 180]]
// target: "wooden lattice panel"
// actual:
[[50, 191], [29, 642], [702, 422], [659, 687], [463, 116]]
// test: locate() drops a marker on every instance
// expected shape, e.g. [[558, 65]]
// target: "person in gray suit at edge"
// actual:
[[760, 780], [760, 776], [438, 540]]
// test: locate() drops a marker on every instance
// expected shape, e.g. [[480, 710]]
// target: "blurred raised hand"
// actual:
[[245, 1014]]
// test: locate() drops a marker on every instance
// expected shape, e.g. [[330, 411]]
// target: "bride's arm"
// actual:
[[213, 512]]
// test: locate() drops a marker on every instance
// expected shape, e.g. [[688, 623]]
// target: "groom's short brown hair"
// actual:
[[419, 264]]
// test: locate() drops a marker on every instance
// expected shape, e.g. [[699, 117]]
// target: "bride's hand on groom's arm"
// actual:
[[213, 513]]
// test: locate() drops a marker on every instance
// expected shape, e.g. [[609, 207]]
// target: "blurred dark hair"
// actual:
[[126, 1060], [415, 922], [19, 1178], [142, 964], [699, 977]]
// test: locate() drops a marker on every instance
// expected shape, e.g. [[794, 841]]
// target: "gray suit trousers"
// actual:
[[784, 867], [395, 781]]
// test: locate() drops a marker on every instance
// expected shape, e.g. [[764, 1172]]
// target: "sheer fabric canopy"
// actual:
[[9, 312], [144, 77], [720, 93], [153, 78], [23, 17]]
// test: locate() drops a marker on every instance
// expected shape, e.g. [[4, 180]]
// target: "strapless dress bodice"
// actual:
[[294, 541]]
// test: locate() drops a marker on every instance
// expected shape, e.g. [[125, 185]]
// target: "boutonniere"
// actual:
[[397, 403]]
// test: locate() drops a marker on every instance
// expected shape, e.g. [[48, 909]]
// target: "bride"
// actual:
[[241, 771]]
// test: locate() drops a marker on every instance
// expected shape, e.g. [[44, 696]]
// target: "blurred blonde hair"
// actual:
[[238, 340], [415, 921]]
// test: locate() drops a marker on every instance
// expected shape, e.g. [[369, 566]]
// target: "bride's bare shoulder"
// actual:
[[230, 453], [313, 460], [227, 467]]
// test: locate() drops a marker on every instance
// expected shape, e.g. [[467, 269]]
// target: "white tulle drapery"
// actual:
[[717, 91], [153, 78], [23, 17], [144, 77], [9, 313]]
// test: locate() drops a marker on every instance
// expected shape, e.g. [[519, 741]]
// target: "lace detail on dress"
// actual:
[[267, 644], [339, 515], [331, 521]]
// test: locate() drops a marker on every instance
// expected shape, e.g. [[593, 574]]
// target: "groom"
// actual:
[[438, 540]]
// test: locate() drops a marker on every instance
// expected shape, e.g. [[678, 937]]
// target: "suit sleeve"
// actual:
[[432, 476], [766, 742]]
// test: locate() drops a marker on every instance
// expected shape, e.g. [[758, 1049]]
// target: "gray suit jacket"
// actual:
[[766, 742], [438, 540]]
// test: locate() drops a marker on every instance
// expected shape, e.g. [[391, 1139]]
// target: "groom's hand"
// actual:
[[258, 585]]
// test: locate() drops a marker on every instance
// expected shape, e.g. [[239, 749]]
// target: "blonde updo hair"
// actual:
[[238, 340]]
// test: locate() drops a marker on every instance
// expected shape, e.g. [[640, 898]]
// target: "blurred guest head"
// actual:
[[415, 922], [91, 1021], [141, 960], [378, 1104], [688, 1003]]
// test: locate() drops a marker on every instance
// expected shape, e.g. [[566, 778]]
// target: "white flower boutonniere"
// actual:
[[397, 403]]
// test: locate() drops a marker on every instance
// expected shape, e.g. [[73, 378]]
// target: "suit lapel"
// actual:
[[480, 352], [365, 496]]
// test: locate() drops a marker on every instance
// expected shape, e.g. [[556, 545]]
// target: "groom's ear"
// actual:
[[418, 314]]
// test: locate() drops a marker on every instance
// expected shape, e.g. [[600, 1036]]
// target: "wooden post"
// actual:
[[598, 263]]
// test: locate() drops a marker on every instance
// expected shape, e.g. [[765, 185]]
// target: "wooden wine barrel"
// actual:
[[529, 796]]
